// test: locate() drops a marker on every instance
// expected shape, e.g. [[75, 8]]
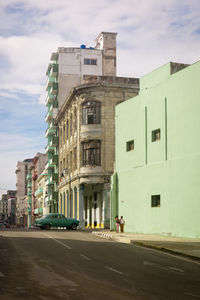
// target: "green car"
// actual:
[[56, 220]]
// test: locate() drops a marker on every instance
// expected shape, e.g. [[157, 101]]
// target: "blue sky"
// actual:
[[150, 33]]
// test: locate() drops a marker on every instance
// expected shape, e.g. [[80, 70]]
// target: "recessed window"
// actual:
[[91, 153], [88, 61], [91, 112], [129, 145], [155, 201], [156, 135]]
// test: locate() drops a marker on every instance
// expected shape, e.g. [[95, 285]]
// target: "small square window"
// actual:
[[155, 201], [129, 145], [156, 135]]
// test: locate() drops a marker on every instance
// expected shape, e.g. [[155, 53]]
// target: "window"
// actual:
[[91, 112], [156, 135], [70, 125], [67, 130], [91, 153], [75, 158], [88, 61], [64, 134], [71, 161], [75, 120], [155, 201], [129, 145]]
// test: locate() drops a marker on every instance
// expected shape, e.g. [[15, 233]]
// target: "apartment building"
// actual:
[[86, 127], [66, 70], [35, 169], [156, 182], [21, 186]]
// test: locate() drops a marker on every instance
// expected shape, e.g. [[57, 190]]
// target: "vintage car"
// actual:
[[56, 220]]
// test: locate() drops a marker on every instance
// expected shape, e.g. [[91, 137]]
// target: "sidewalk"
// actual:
[[186, 247]]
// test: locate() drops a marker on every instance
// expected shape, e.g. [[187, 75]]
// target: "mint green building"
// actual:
[[156, 186]]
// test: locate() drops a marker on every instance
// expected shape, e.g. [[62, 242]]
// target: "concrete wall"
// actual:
[[169, 167]]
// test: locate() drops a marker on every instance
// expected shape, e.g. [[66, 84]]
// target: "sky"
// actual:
[[150, 33]]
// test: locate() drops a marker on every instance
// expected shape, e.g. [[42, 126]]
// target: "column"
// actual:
[[106, 205], [81, 207]]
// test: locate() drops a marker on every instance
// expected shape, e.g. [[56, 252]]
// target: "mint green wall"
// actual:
[[169, 167]]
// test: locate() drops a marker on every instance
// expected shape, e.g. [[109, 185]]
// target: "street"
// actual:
[[62, 264]]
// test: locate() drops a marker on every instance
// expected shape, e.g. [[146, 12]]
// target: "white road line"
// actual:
[[193, 295], [2, 275], [114, 270], [176, 269], [64, 245], [85, 257]]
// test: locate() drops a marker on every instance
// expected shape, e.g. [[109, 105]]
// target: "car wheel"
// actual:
[[74, 226], [47, 226]]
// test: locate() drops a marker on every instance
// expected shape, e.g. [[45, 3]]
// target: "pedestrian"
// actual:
[[122, 223], [117, 223]]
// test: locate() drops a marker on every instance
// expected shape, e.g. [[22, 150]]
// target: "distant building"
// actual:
[[66, 70], [156, 183], [41, 195], [21, 186], [7, 207], [35, 169]]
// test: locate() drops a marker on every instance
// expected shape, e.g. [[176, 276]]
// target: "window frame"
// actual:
[[156, 135], [155, 201], [128, 145], [91, 112], [91, 153]]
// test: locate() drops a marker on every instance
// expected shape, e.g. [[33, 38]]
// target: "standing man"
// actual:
[[122, 223]]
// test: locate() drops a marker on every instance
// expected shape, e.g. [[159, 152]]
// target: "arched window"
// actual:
[[75, 120], [91, 112], [67, 130]]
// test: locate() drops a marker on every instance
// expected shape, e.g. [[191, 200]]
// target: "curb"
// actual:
[[142, 244], [104, 235], [163, 249]]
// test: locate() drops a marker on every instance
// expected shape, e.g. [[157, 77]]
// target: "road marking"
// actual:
[[85, 257], [176, 269], [2, 275], [114, 270], [193, 295], [64, 245]]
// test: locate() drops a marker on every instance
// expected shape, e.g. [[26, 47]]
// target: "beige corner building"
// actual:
[[86, 153]]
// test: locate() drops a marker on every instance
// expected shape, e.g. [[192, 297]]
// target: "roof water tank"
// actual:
[[82, 46]]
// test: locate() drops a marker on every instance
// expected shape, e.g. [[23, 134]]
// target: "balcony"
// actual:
[[54, 88], [49, 116], [53, 196], [49, 165], [54, 160], [29, 185], [49, 148], [50, 131], [39, 192], [50, 98], [50, 82], [54, 70], [53, 179], [29, 176], [29, 193], [54, 141]]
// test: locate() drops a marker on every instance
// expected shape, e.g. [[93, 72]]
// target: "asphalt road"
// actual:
[[78, 265]]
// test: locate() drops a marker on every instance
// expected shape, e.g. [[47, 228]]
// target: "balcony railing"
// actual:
[[54, 141], [54, 160]]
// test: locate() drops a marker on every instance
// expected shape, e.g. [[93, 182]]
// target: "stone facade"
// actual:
[[21, 186], [86, 152]]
